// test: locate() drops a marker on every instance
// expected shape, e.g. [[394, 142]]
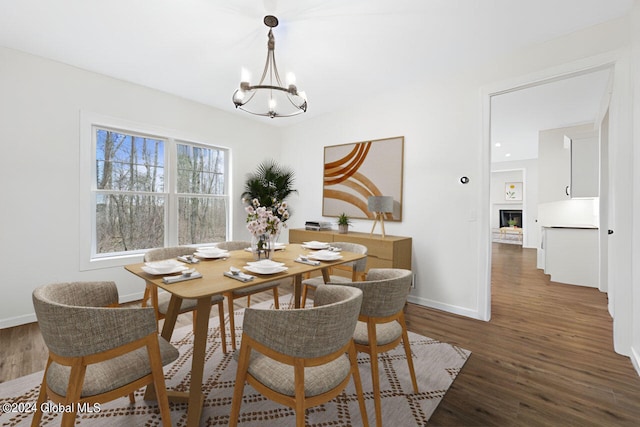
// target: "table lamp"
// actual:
[[380, 205]]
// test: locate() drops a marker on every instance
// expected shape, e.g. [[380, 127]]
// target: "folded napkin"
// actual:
[[189, 259], [174, 279], [308, 261], [240, 276]]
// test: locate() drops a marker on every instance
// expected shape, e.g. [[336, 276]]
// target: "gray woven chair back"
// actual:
[[234, 245], [74, 320], [308, 332], [360, 265], [385, 291], [159, 254]]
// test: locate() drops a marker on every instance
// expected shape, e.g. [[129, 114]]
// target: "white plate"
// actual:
[[265, 263], [279, 246], [265, 270], [167, 266], [315, 245], [219, 254], [325, 256]]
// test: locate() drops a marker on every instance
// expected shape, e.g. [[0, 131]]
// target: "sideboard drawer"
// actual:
[[387, 252]]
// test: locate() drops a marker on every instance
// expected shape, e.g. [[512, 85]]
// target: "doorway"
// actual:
[[513, 111]]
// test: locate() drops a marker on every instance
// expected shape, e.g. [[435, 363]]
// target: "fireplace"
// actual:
[[514, 216]]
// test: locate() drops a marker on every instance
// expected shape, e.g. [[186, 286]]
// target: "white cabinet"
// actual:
[[571, 255], [585, 165], [568, 161]]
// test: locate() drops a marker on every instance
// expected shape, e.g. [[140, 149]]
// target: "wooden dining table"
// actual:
[[214, 282]]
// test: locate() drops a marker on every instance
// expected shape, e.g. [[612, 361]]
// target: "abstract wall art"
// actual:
[[354, 172]]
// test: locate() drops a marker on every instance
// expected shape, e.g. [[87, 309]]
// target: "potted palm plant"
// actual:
[[343, 223], [271, 183]]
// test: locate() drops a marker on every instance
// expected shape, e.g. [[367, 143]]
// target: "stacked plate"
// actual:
[[211, 252], [315, 245], [325, 255], [265, 266], [167, 266]]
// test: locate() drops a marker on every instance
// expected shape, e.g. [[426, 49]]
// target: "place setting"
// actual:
[[212, 252], [330, 254], [168, 268], [262, 267], [315, 245]]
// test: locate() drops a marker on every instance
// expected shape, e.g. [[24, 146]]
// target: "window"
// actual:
[[150, 189]]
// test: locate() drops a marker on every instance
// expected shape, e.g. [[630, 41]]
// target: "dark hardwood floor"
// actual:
[[545, 359]]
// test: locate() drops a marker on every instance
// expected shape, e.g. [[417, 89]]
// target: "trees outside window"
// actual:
[[153, 191]]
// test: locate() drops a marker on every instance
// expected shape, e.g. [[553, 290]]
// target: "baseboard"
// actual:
[[635, 359], [10, 322], [474, 314]]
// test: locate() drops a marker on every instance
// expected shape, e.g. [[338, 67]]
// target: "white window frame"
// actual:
[[89, 258]]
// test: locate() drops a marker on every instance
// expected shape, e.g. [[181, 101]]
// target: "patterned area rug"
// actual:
[[437, 364]]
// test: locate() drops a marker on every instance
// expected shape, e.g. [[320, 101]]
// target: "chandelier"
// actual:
[[270, 97]]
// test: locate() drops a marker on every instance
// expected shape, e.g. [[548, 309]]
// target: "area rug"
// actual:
[[436, 363]]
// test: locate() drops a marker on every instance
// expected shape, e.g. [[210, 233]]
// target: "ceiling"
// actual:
[[339, 50], [518, 116]]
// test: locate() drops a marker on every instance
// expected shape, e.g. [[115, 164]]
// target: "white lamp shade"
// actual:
[[380, 204]]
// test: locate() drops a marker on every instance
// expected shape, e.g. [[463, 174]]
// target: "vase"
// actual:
[[343, 228], [262, 246]]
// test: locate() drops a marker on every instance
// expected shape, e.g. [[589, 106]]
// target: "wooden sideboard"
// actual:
[[387, 252]]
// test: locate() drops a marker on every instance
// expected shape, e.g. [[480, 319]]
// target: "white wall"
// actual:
[[40, 106], [442, 125], [634, 292]]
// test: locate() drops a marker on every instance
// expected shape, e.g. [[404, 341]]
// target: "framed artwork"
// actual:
[[354, 172], [513, 191]]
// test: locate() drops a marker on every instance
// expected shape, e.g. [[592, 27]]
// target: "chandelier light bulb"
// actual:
[[291, 79], [245, 75]]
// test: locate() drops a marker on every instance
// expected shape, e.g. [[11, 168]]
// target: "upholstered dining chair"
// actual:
[[160, 300], [301, 358], [381, 325], [97, 352], [356, 268], [236, 245]]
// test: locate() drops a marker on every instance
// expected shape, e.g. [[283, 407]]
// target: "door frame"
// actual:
[[562, 72]]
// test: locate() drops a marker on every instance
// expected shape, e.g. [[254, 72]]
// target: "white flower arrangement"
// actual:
[[263, 220]]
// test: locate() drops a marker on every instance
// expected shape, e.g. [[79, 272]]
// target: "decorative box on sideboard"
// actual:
[[387, 252]]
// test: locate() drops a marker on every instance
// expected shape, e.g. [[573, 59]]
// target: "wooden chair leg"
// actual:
[[232, 322], [375, 374], [355, 372], [238, 390], [407, 351], [132, 398], [299, 392], [153, 350], [248, 300], [74, 389], [223, 329], [303, 297], [276, 302], [145, 297]]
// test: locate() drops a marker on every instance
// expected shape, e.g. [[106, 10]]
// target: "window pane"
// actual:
[[129, 222], [129, 162], [200, 170], [201, 220]]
